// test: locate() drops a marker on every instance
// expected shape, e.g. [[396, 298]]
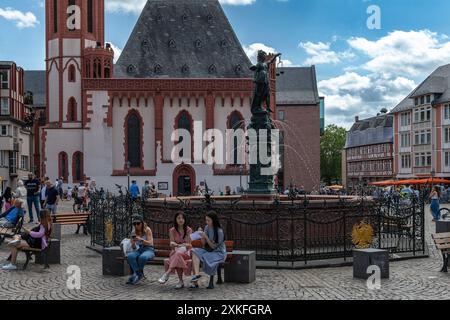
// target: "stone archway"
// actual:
[[184, 180]]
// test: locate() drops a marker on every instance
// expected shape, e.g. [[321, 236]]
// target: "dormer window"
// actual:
[[210, 18], [131, 69], [212, 69], [185, 69], [145, 46], [172, 44], [198, 44], [223, 43], [185, 18], [158, 69], [238, 69]]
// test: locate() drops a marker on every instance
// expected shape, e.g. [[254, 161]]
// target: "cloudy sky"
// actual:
[[360, 70]]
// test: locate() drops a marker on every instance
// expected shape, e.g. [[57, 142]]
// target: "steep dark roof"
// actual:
[[371, 131], [35, 82], [437, 83], [297, 86], [183, 39]]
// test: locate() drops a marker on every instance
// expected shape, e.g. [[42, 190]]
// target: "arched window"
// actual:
[[236, 122], [97, 69], [72, 110], [183, 121], [88, 69], [107, 72], [134, 139], [63, 164], [77, 167], [72, 73]]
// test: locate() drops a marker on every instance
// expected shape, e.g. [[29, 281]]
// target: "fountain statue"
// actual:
[[261, 184]]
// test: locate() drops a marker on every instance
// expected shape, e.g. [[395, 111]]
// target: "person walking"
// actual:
[[60, 188], [146, 190], [134, 190], [434, 206], [43, 193], [33, 187], [51, 198]]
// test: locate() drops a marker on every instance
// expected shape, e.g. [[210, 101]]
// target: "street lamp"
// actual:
[[128, 166]]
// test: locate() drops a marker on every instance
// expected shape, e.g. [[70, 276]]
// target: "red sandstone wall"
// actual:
[[302, 135]]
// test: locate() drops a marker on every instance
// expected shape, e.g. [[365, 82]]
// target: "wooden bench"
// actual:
[[163, 250], [29, 252], [79, 219], [442, 241], [11, 232]]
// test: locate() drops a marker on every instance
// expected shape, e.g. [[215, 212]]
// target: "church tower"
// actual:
[[74, 29], [75, 50]]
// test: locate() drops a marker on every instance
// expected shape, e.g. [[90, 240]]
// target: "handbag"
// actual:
[[35, 243]]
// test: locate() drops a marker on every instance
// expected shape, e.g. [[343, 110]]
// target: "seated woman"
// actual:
[[213, 252], [180, 257], [37, 238], [10, 218], [142, 242]]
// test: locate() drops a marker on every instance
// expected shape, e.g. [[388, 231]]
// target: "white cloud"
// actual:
[[117, 52], [353, 94], [405, 53], [136, 6], [22, 19], [252, 53], [321, 53]]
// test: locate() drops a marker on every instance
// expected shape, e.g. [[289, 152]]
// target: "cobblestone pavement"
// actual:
[[411, 279]]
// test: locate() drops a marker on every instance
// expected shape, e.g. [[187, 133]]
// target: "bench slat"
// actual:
[[441, 235]]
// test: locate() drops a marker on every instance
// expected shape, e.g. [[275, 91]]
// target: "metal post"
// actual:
[[128, 174]]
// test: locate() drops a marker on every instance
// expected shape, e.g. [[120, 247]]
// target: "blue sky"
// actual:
[[359, 70]]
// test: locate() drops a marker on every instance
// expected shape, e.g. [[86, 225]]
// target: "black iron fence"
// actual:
[[280, 232]]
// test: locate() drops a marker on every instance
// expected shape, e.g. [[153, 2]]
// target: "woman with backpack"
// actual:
[[37, 238]]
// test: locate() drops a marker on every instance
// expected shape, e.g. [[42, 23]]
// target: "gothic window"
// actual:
[[72, 110], [97, 68], [184, 121], [72, 73], [134, 130], [63, 165], [77, 167]]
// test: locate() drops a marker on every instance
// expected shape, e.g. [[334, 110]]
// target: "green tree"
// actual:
[[331, 144]]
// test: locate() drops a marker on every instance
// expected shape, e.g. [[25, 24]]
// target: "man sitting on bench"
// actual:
[[11, 217]]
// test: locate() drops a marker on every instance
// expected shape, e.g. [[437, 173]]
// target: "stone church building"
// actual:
[[182, 64]]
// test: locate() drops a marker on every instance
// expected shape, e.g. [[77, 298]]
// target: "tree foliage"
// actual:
[[331, 145]]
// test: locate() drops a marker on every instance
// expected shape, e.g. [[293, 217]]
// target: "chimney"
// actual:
[[356, 119]]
